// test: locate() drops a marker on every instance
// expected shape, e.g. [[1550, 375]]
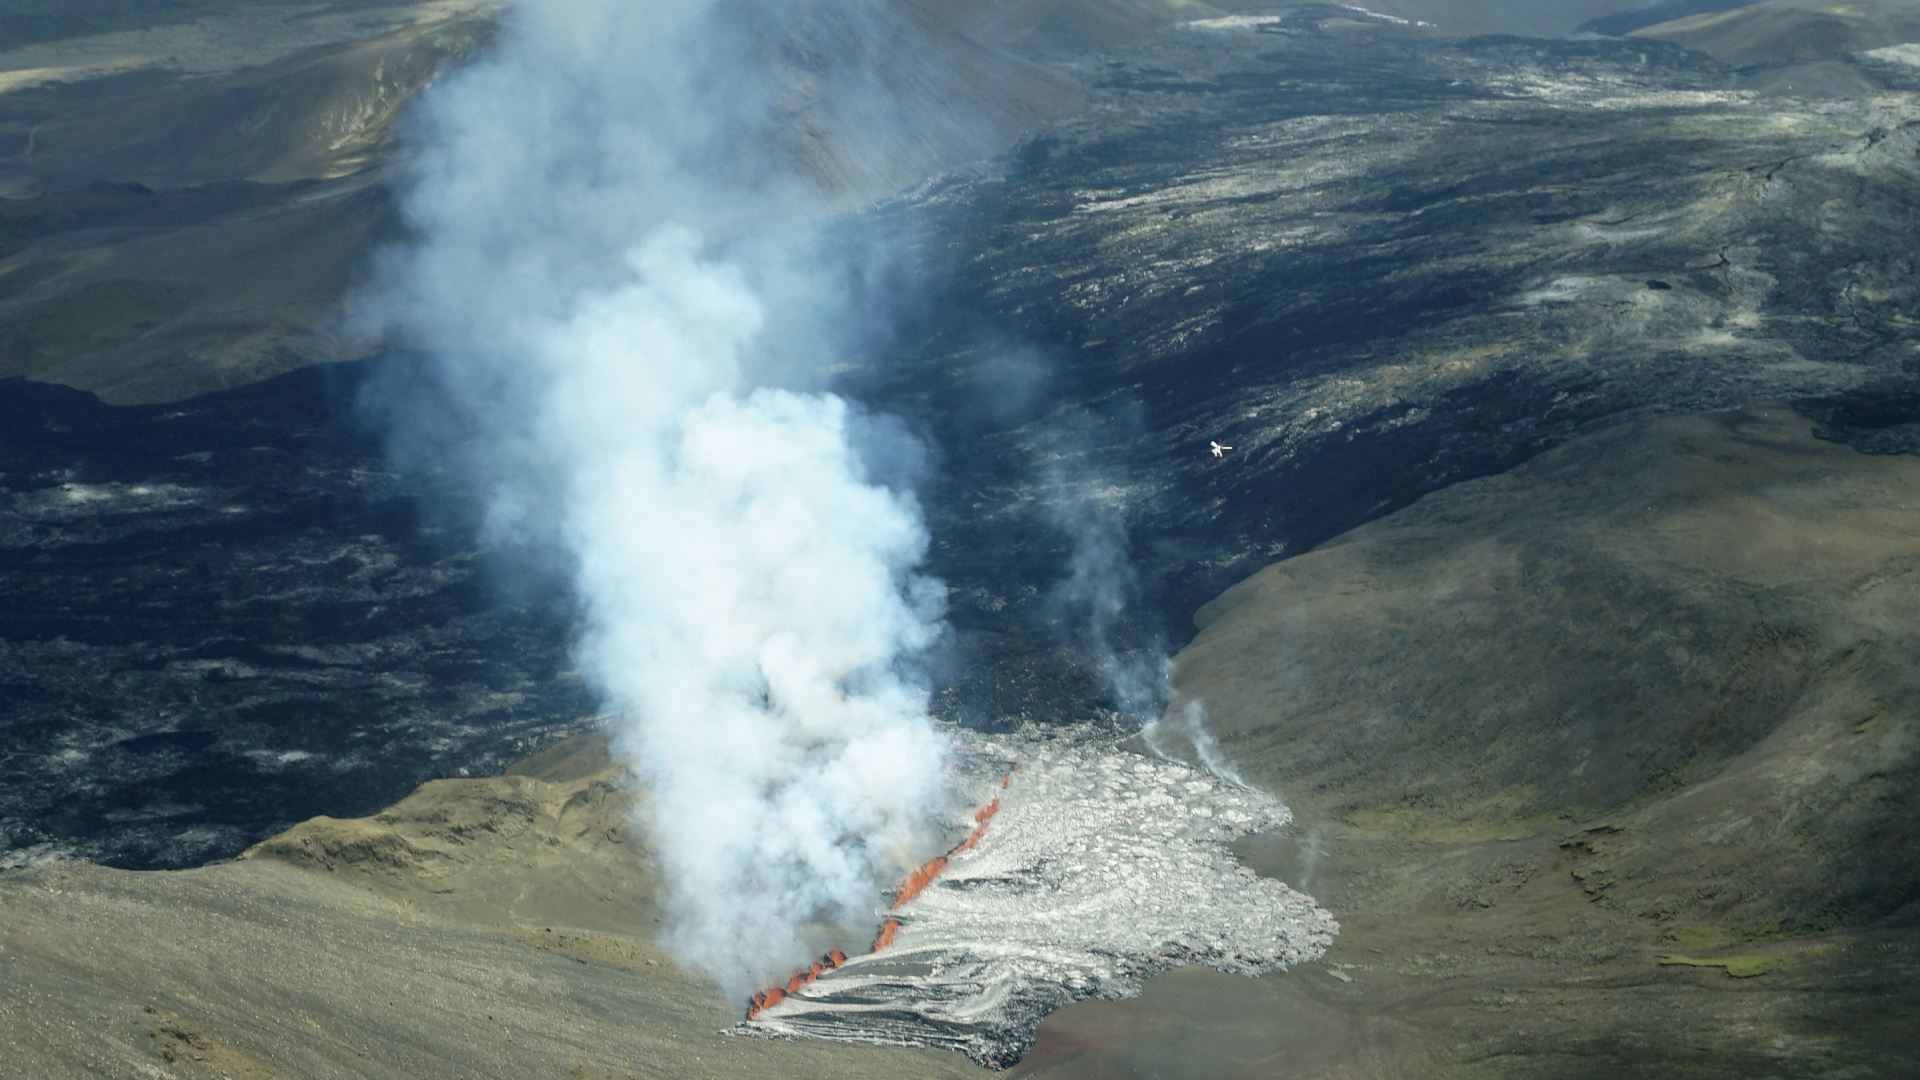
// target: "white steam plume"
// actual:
[[623, 313]]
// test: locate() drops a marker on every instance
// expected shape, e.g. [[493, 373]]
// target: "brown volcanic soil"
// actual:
[[1699, 628], [1605, 764]]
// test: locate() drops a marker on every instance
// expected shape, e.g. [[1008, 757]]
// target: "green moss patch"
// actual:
[[1507, 816], [1745, 966]]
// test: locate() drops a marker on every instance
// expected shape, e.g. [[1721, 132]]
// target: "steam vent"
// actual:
[[1095, 870]]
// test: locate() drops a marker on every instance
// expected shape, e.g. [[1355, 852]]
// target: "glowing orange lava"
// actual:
[[915, 883], [920, 879]]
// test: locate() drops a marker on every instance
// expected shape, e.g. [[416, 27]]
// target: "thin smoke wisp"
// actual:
[[625, 312], [1188, 724], [1095, 606]]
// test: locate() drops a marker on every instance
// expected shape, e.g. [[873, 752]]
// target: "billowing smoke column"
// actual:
[[624, 313]]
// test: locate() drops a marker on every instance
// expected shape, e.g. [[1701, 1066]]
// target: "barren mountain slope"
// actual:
[[263, 129], [494, 928], [192, 206], [1787, 31], [1811, 50], [1607, 764], [189, 214], [1694, 628]]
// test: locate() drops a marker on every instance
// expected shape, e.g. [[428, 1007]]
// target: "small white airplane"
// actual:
[[1219, 448]]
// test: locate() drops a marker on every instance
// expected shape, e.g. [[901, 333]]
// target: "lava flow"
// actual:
[[916, 881], [774, 995], [1105, 869]]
